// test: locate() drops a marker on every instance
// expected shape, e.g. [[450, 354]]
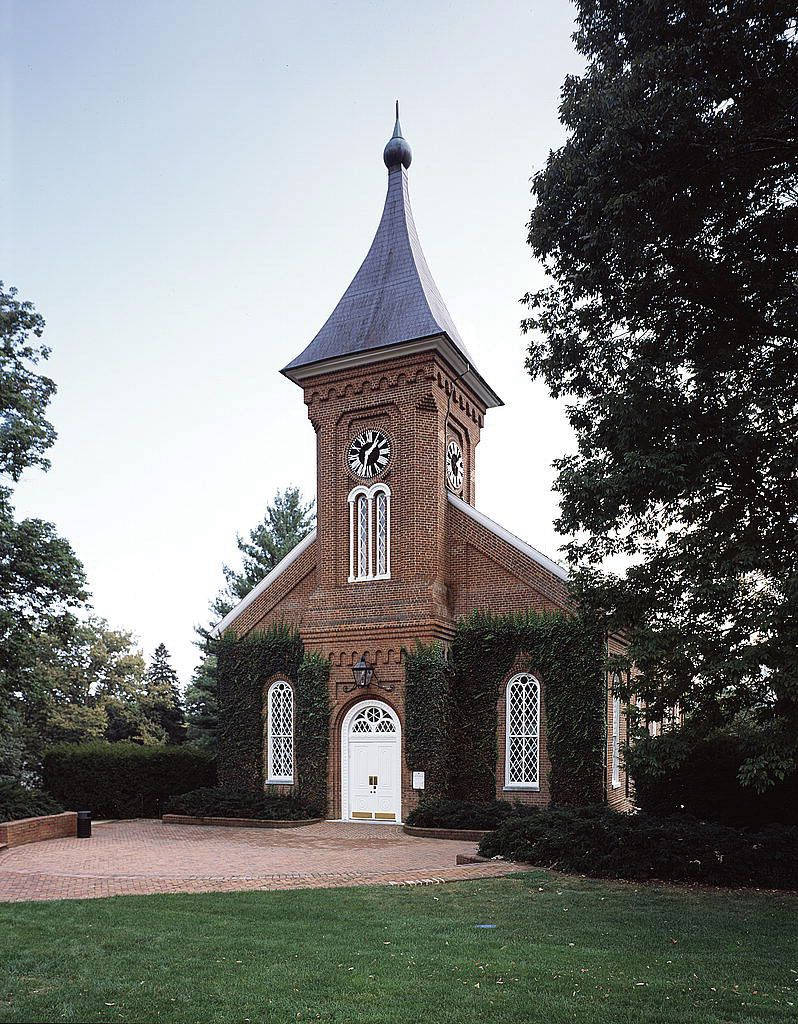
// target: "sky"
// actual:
[[186, 190]]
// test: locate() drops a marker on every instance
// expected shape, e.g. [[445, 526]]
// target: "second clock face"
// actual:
[[369, 454], [454, 465]]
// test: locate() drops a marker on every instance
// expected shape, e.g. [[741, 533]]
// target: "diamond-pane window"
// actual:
[[616, 733], [523, 731], [280, 728]]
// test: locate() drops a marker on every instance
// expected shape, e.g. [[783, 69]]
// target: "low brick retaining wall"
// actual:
[[465, 834], [186, 819], [34, 830]]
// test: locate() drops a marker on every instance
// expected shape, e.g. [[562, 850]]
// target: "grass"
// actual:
[[563, 950]]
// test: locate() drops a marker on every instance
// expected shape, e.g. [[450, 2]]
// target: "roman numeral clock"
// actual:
[[368, 454]]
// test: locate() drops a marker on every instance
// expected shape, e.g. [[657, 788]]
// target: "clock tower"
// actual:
[[397, 404], [400, 552]]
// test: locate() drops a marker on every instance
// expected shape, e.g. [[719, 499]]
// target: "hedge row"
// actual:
[[124, 780], [18, 802], [466, 814], [219, 802], [604, 844]]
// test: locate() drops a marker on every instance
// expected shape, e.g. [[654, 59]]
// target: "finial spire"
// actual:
[[398, 152]]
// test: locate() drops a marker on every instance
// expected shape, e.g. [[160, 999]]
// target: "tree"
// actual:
[[202, 709], [87, 686], [287, 521], [42, 583], [668, 223], [162, 702]]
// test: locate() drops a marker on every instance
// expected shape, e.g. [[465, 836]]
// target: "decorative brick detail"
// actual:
[[35, 830]]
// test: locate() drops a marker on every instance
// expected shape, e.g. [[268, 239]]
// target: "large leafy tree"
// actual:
[[288, 520], [42, 583], [668, 223]]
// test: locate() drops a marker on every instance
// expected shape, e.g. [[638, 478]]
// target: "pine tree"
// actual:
[[287, 521], [162, 702], [202, 711]]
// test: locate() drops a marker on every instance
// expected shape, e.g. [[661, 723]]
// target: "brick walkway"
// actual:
[[139, 857]]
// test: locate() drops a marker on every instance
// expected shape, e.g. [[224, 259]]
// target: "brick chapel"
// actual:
[[400, 551]]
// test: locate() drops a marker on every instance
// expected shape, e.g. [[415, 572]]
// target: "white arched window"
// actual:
[[280, 732], [522, 724], [616, 733], [370, 533]]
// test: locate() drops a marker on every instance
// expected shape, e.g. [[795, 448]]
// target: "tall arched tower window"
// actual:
[[522, 751], [280, 732], [370, 533]]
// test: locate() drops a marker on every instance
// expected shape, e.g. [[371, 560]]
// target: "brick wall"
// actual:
[[444, 564], [34, 830]]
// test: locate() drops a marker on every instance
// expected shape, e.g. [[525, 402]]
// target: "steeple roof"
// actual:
[[392, 300]]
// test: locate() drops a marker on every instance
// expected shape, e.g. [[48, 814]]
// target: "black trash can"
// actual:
[[84, 824]]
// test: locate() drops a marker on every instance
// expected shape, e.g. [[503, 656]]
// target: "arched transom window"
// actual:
[[370, 533], [522, 753], [280, 732], [372, 720]]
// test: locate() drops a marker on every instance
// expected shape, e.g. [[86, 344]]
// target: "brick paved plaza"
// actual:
[[146, 856]]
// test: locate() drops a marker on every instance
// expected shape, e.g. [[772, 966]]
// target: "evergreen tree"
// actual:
[[202, 710], [287, 521], [667, 223], [162, 702]]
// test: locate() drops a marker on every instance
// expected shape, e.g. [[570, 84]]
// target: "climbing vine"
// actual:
[[428, 715], [244, 665], [566, 650], [312, 728]]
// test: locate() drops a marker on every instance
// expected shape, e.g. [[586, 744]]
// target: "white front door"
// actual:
[[371, 772]]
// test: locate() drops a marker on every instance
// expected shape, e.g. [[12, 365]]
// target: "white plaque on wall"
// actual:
[[418, 780]]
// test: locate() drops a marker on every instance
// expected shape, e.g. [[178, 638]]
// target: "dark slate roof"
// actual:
[[392, 298]]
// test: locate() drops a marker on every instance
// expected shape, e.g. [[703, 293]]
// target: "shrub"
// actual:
[[18, 802], [462, 813], [602, 843], [237, 803], [686, 772], [124, 780]]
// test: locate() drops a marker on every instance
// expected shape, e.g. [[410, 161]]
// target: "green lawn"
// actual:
[[562, 950]]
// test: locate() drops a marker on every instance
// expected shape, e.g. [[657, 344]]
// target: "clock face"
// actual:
[[369, 454], [454, 465]]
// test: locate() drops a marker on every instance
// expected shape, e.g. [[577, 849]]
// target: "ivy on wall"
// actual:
[[244, 665], [428, 715], [567, 651], [312, 729]]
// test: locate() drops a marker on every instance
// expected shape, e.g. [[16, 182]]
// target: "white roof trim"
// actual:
[[516, 542], [258, 589]]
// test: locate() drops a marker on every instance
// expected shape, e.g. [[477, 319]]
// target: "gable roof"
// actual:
[[392, 299], [510, 538], [267, 581]]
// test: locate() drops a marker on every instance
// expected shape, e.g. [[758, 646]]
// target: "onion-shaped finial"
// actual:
[[397, 152]]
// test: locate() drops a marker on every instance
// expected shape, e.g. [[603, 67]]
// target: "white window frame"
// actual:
[[615, 736], [369, 494], [510, 784], [271, 777]]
